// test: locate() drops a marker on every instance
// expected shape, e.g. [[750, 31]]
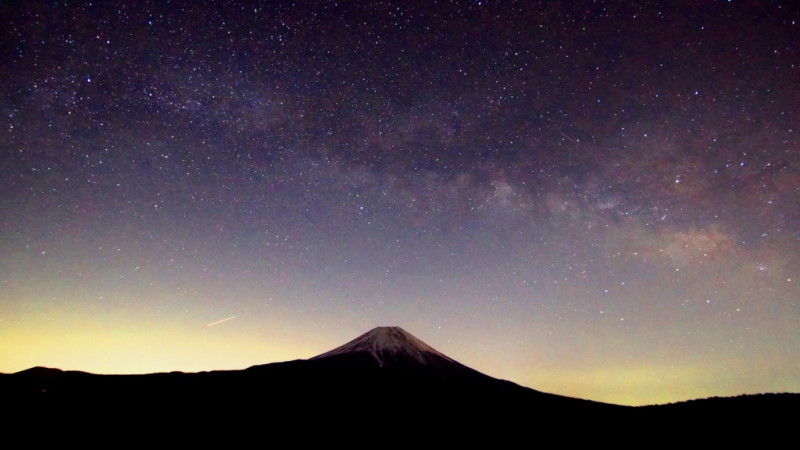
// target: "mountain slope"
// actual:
[[388, 365]]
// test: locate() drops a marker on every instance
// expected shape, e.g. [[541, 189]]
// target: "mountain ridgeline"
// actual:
[[383, 376]]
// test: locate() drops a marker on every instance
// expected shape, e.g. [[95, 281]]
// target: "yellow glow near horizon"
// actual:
[[111, 344], [646, 385]]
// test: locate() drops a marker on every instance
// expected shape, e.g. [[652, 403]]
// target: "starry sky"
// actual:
[[595, 198]]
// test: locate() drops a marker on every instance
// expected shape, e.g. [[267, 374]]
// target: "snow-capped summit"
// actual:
[[395, 347]]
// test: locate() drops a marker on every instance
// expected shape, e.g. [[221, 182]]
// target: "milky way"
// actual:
[[599, 199]]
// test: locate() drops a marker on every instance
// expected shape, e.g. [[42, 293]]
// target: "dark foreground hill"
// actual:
[[384, 378]]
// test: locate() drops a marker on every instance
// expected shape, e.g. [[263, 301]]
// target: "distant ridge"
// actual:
[[47, 372]]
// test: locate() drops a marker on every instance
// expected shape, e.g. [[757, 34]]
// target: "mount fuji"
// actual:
[[385, 376], [388, 365], [393, 346]]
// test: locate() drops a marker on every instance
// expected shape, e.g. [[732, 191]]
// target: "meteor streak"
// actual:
[[220, 321]]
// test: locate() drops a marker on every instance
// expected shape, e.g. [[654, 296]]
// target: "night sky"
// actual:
[[595, 198]]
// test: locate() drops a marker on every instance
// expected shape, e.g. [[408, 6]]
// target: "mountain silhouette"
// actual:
[[386, 376], [388, 365]]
